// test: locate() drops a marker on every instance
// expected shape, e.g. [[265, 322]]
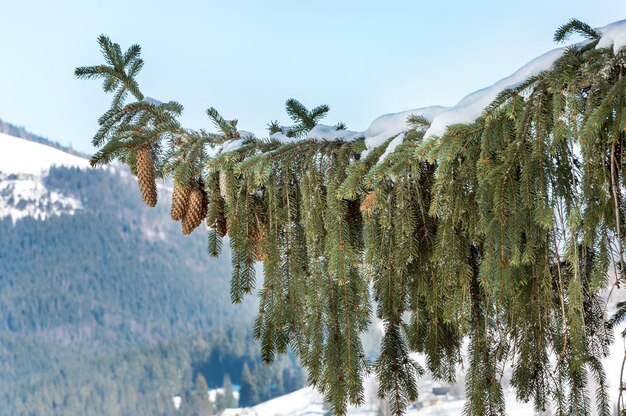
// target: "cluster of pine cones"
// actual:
[[189, 205], [189, 202]]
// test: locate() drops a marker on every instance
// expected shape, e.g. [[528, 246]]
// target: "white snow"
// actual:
[[213, 393], [24, 195], [472, 106], [612, 35], [467, 110], [324, 132], [389, 125], [397, 141], [152, 101], [306, 401], [245, 134], [231, 145], [23, 156], [23, 167], [381, 129]]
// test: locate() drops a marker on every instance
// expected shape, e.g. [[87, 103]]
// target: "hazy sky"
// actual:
[[363, 58]]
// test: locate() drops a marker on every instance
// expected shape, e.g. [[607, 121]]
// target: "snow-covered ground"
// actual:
[[23, 166], [308, 402], [23, 156], [25, 195]]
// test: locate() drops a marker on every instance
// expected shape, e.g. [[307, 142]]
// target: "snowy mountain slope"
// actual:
[[23, 195], [20, 156], [306, 401], [23, 167]]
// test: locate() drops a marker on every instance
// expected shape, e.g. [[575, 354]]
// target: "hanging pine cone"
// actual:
[[257, 236], [258, 232], [196, 210], [180, 201], [145, 175], [222, 182], [205, 199]]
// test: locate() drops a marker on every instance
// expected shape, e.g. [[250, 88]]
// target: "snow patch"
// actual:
[[324, 132], [231, 145], [24, 195], [152, 101], [23, 156], [612, 35], [392, 146], [23, 166], [306, 401], [389, 125], [244, 134], [472, 106], [377, 133]]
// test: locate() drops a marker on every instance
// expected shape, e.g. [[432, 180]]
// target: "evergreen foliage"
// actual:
[[503, 232]]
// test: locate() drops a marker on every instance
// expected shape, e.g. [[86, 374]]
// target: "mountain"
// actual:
[[23, 167], [20, 132], [105, 307]]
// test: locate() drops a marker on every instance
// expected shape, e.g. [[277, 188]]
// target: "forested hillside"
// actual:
[[112, 311]]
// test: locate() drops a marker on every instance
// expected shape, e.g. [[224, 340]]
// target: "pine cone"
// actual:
[[222, 182], [145, 175], [180, 201], [256, 241], [205, 199], [196, 210], [220, 224]]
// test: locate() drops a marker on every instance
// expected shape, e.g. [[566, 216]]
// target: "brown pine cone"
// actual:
[[180, 201], [256, 241], [205, 199], [145, 175], [222, 182], [196, 210]]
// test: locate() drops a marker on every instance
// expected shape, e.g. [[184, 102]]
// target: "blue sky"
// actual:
[[363, 58]]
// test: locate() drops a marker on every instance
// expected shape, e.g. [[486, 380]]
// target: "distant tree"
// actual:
[[227, 399], [384, 408], [201, 405], [249, 393], [292, 379]]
